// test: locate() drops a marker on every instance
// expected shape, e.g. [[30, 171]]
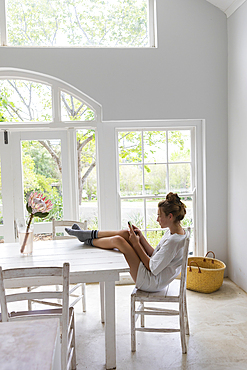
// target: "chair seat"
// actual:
[[171, 290]]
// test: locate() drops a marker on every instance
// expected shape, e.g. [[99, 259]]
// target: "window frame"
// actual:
[[144, 196], [109, 199], [106, 134], [12, 186], [152, 25], [57, 87]]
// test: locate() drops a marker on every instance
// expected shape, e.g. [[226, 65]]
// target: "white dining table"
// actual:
[[87, 265]]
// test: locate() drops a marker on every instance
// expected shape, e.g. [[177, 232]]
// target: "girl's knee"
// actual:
[[117, 239], [119, 242], [125, 234]]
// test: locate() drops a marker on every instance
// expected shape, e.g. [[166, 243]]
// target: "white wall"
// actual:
[[237, 211], [185, 77]]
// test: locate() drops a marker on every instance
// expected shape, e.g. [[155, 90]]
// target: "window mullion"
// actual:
[[143, 186], [152, 23], [56, 103], [167, 166], [3, 23]]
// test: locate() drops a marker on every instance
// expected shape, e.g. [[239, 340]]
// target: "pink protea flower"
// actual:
[[37, 206], [38, 203]]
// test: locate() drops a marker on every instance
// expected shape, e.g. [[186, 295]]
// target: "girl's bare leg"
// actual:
[[119, 242], [106, 234]]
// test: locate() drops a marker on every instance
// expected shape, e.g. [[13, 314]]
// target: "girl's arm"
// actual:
[[134, 240], [145, 244]]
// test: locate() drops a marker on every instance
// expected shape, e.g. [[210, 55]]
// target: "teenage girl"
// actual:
[[151, 269]]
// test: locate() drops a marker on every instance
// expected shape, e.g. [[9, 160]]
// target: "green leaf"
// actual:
[[41, 215], [29, 208]]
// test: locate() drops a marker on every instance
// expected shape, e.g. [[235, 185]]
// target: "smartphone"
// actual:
[[130, 225]]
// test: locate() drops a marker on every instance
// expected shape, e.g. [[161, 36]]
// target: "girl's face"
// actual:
[[163, 220]]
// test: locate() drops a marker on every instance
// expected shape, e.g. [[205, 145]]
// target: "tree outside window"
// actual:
[[104, 23]]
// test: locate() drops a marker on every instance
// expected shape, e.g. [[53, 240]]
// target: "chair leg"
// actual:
[[73, 361], [83, 293], [102, 300], [182, 327], [29, 302], [187, 329], [142, 316], [133, 332]]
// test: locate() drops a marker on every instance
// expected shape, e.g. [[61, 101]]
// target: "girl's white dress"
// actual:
[[165, 264]]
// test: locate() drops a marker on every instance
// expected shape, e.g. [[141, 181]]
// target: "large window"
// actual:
[[52, 147], [104, 23], [104, 172], [151, 164]]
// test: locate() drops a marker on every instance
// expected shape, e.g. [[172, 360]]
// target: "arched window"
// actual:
[[49, 128]]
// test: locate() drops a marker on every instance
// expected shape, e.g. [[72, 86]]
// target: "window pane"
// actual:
[[189, 220], [132, 210], [130, 178], [130, 147], [87, 187], [42, 172], [155, 179], [74, 109], [180, 177], [151, 213], [77, 22], [179, 144], [154, 146], [25, 101]]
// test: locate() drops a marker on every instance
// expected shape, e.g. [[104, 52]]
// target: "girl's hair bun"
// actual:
[[173, 198], [172, 204]]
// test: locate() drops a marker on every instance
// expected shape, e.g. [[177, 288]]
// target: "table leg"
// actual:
[[110, 329], [102, 301]]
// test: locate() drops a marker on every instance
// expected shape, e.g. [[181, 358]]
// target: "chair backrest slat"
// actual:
[[185, 262], [24, 296], [32, 272]]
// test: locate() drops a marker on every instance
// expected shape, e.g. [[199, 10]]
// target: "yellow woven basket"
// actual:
[[205, 274]]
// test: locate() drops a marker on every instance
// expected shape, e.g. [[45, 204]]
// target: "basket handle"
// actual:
[[207, 254], [190, 269]]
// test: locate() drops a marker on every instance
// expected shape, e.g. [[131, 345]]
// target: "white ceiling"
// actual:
[[227, 6]]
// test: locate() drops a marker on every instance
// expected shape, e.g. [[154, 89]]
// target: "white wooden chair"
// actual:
[[174, 292], [48, 276], [58, 232]]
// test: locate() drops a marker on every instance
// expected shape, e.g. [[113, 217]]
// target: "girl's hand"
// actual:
[[133, 235], [137, 231]]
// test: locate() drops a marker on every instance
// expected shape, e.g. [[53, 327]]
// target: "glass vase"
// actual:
[[26, 237]]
